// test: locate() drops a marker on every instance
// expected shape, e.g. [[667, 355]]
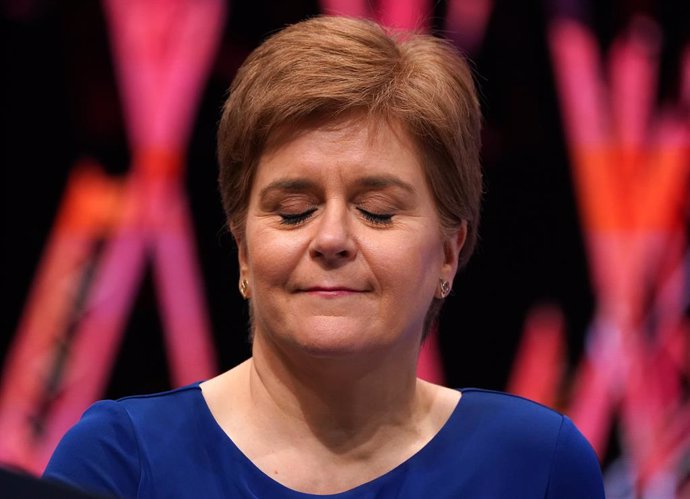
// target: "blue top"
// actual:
[[166, 445]]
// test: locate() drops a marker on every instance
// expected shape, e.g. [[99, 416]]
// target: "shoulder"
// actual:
[[99, 453], [526, 436], [513, 418], [173, 406], [575, 466], [154, 418], [503, 403], [107, 449]]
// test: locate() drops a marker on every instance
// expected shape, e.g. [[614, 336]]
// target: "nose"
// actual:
[[333, 242]]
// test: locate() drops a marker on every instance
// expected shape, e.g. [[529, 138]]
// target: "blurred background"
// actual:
[[120, 278]]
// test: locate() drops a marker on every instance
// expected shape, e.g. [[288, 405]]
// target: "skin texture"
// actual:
[[342, 253]]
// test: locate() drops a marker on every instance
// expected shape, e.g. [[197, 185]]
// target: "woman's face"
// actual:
[[342, 249]]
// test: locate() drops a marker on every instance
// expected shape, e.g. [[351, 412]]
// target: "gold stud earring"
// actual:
[[244, 288], [445, 287]]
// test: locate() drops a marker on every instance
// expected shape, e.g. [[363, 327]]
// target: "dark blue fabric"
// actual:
[[168, 445]]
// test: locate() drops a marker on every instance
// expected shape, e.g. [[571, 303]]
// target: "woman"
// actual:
[[351, 182]]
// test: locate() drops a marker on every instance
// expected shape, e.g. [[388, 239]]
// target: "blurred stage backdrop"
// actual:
[[120, 278]]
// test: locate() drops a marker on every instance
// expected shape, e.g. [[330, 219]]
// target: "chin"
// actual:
[[331, 337], [326, 346]]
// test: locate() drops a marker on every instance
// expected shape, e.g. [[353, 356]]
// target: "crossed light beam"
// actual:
[[631, 170], [109, 230]]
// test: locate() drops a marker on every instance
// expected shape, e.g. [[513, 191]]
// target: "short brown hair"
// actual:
[[328, 67]]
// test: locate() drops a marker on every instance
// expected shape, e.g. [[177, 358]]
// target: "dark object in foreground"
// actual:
[[16, 484]]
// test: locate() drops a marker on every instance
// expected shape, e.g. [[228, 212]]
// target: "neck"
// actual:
[[351, 420], [339, 401]]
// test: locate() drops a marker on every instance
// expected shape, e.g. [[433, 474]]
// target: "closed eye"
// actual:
[[377, 218], [296, 218]]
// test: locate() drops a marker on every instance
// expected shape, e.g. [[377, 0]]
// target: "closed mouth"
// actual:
[[332, 290]]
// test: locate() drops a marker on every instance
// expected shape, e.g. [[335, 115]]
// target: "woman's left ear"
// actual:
[[452, 246]]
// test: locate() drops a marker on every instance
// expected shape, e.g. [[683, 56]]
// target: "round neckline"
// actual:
[[269, 483]]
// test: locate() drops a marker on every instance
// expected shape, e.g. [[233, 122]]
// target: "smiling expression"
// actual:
[[342, 246]]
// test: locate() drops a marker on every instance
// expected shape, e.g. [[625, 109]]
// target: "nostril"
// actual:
[[333, 249], [325, 252]]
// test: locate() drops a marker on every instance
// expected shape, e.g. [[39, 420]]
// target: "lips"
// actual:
[[332, 291], [331, 288]]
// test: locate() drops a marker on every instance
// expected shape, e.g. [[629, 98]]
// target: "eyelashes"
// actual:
[[377, 218], [295, 219]]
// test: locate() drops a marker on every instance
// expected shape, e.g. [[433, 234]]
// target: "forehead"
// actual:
[[349, 146]]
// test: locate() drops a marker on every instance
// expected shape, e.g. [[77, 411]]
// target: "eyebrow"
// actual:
[[384, 181], [369, 182], [290, 185]]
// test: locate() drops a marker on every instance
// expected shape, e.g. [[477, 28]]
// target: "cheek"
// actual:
[[412, 264], [271, 259]]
